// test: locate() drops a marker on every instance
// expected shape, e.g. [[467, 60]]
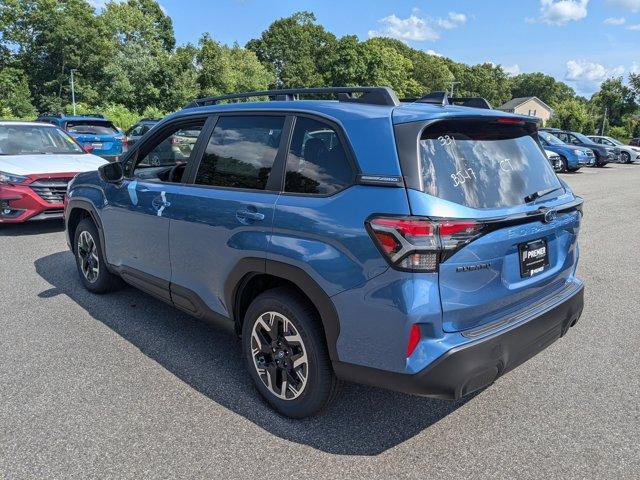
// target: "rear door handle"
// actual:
[[244, 214]]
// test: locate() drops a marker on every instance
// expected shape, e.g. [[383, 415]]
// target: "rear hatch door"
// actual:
[[495, 173]]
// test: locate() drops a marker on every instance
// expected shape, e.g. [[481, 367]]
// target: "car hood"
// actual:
[[60, 163]]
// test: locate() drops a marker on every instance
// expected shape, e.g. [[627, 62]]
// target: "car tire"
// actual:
[[89, 260], [280, 329], [626, 158], [154, 159], [564, 165]]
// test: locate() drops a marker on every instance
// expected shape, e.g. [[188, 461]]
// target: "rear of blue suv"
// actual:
[[95, 133], [424, 247]]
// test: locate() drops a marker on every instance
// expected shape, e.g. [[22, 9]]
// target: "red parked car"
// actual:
[[37, 161]]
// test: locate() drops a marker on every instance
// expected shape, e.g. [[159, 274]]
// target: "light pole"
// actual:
[[73, 91], [452, 83]]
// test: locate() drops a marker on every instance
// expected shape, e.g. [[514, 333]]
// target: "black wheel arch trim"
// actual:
[[88, 206], [247, 268]]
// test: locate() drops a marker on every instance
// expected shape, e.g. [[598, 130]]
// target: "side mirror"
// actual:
[[112, 172]]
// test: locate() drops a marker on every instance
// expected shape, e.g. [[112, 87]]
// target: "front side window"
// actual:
[[241, 152], [317, 161], [157, 157], [35, 139], [483, 164]]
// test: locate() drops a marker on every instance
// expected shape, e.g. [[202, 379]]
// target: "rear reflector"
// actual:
[[414, 339]]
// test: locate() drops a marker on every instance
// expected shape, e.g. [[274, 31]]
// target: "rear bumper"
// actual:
[[467, 368]]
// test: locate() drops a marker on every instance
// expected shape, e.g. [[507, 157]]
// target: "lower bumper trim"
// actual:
[[475, 365]]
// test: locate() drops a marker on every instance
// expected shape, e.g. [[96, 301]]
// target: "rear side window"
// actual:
[[91, 127], [317, 161], [241, 152], [483, 164]]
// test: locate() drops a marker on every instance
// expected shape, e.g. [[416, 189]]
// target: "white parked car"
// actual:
[[37, 161], [554, 159], [628, 153]]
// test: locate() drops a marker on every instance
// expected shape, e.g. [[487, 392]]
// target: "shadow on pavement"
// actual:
[[363, 421], [31, 228]]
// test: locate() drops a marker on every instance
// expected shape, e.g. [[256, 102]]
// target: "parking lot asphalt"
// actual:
[[124, 386]]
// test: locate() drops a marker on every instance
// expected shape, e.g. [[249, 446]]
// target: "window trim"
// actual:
[[348, 149]]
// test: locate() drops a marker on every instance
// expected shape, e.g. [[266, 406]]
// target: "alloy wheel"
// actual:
[[279, 355], [88, 256]]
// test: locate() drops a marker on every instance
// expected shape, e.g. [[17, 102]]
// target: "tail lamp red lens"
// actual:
[[419, 244], [88, 148]]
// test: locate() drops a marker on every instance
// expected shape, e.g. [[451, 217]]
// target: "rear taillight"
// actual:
[[418, 244]]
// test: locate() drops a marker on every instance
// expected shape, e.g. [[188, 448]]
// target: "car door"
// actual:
[[224, 216], [135, 214]]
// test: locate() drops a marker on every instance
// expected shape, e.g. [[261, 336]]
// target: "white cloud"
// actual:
[[615, 21], [635, 27], [412, 28], [512, 69], [561, 12], [417, 28], [434, 53], [454, 20], [585, 71], [633, 5]]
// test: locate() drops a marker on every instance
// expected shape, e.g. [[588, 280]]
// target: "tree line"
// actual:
[[127, 64]]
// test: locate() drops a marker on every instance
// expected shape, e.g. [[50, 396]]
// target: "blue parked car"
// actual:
[[572, 157], [95, 133], [424, 247]]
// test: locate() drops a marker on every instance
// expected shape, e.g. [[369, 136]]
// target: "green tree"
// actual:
[[223, 69], [15, 98], [616, 98], [50, 37], [545, 87], [295, 49], [429, 71], [571, 114], [483, 80]]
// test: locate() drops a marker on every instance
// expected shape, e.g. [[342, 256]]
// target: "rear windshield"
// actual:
[[483, 164], [92, 127]]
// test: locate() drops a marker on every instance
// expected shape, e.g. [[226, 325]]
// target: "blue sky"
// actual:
[[581, 42]]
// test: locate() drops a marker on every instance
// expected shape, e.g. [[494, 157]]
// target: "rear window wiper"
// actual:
[[540, 193]]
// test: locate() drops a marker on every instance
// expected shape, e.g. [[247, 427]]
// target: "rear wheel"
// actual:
[[91, 266], [285, 351]]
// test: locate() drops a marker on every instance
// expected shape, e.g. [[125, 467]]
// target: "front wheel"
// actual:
[[564, 165], [626, 158], [91, 265], [286, 354]]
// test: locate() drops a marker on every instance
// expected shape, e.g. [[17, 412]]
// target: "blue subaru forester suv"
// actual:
[[425, 247], [96, 134]]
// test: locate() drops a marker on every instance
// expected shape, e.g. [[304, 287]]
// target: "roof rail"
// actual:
[[50, 114], [441, 98], [94, 115], [370, 95]]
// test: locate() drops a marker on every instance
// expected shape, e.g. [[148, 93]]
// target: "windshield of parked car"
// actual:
[[615, 141], [584, 138], [35, 139], [91, 127], [550, 139], [483, 164]]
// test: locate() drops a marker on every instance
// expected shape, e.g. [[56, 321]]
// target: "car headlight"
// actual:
[[10, 178], [579, 152]]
